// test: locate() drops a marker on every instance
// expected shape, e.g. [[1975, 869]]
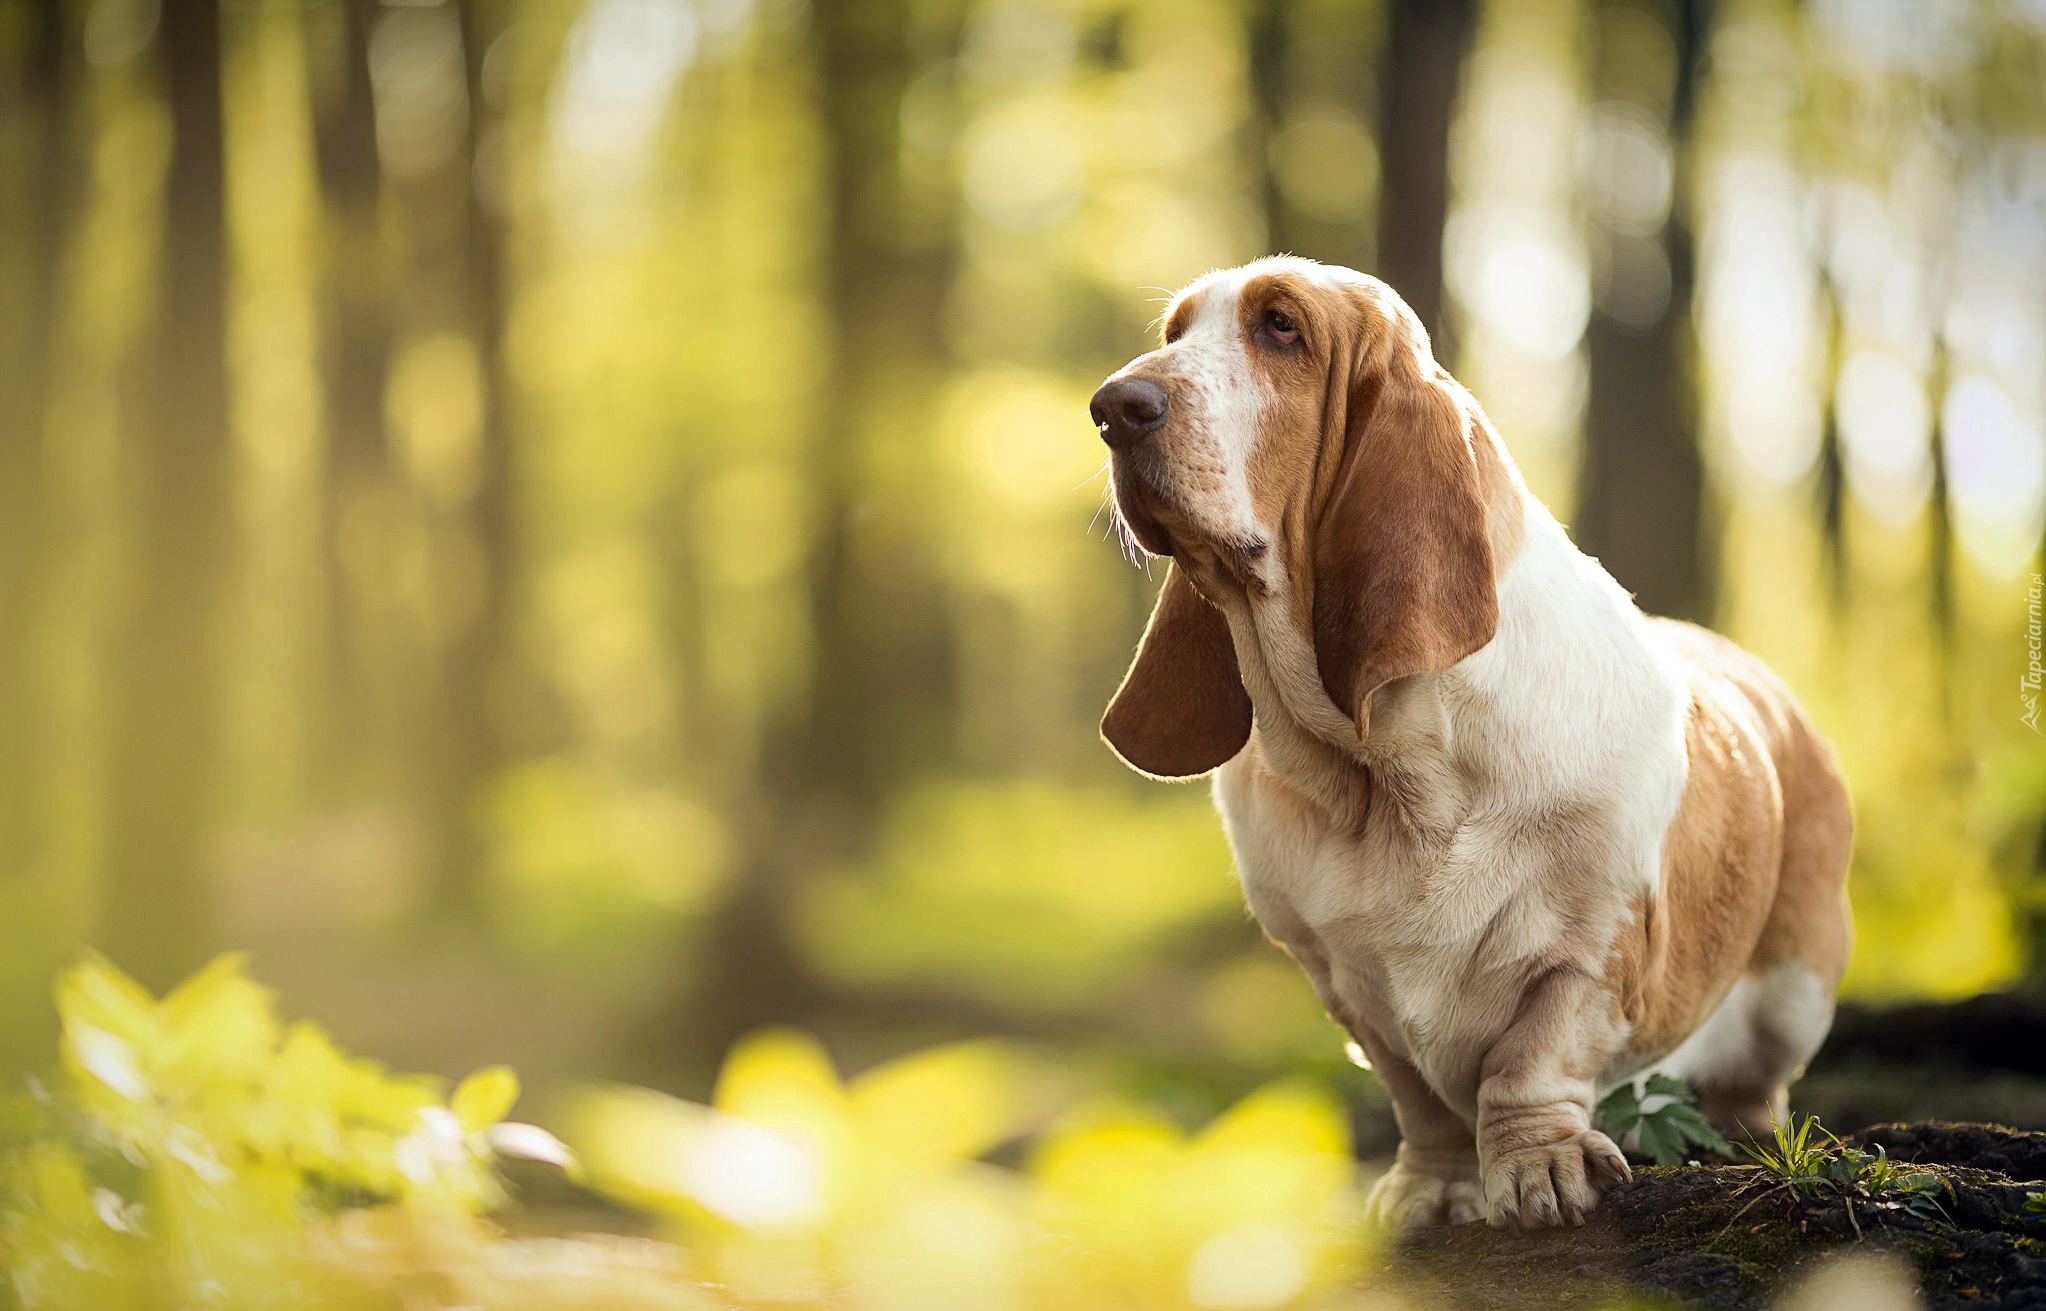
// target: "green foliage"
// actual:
[[184, 1147], [2036, 1203], [995, 888], [1664, 1116], [1804, 1155]]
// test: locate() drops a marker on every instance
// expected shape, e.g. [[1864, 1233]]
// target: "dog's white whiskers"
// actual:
[[1125, 536]]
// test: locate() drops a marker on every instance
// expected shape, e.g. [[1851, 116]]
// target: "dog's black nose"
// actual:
[[1126, 409]]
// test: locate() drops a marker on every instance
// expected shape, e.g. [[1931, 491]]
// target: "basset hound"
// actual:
[[1528, 842]]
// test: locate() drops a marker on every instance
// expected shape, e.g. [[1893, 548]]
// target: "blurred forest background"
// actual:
[[570, 530]]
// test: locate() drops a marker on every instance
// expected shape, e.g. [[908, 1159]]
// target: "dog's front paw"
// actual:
[[1555, 1183], [1405, 1198]]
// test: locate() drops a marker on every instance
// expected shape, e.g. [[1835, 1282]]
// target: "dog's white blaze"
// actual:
[[1218, 406], [1215, 369]]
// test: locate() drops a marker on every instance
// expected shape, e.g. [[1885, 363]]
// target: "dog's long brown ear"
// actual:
[[1181, 710], [1403, 564]]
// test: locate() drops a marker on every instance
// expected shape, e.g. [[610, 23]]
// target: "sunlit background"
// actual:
[[569, 531]]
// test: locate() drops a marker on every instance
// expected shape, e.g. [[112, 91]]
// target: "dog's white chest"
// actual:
[[1431, 954]]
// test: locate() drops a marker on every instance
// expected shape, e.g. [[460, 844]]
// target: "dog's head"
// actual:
[[1293, 439]]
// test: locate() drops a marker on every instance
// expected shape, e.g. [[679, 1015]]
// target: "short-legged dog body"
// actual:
[[1526, 841]]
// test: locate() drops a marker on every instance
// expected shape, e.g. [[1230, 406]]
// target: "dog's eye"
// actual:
[[1281, 328]]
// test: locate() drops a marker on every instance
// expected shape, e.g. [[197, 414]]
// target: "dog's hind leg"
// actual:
[[1757, 1043]]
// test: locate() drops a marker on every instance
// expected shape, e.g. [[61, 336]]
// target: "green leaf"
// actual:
[[1661, 1142], [1670, 1134], [485, 1097], [1620, 1111]]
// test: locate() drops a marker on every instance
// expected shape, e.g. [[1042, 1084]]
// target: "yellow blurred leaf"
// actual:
[[95, 992], [1289, 1117], [485, 1097], [107, 1058], [218, 1023], [682, 1159], [782, 1078], [949, 1102]]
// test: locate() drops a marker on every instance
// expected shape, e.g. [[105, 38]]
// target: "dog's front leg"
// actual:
[[1434, 1179], [1543, 1164]]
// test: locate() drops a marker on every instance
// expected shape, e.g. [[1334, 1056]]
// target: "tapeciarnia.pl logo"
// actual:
[[2028, 686]]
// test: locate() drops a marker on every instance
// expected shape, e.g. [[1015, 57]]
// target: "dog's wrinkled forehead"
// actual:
[[1213, 301]]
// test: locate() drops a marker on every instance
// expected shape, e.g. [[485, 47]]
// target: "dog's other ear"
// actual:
[[1181, 710], [1402, 560]]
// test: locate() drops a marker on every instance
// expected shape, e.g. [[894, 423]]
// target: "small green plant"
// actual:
[[2036, 1203], [1669, 1128], [1803, 1155]]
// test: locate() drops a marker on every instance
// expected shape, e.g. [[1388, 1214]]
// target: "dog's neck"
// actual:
[[1316, 749], [1407, 762]]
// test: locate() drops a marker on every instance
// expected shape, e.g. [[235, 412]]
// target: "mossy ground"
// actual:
[[1720, 1237]]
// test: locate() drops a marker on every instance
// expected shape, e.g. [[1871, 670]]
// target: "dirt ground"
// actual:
[[1722, 1237]]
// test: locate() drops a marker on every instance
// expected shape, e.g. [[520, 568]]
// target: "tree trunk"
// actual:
[[875, 680], [35, 152], [1317, 60], [357, 472], [1425, 45], [156, 919], [474, 660], [39, 156], [1641, 507], [1830, 485]]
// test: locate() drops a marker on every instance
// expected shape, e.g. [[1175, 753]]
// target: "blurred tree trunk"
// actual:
[[1268, 42], [157, 905], [40, 159], [1830, 489], [1310, 64], [1426, 42], [475, 658], [357, 352], [1940, 599], [1642, 500], [35, 155], [879, 671]]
